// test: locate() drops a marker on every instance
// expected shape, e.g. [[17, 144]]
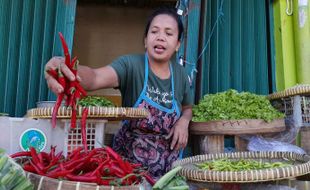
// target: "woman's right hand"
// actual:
[[53, 64]]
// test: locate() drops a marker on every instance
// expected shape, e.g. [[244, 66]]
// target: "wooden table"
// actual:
[[210, 135]]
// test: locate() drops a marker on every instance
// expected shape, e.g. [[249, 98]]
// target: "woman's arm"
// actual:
[[91, 79]]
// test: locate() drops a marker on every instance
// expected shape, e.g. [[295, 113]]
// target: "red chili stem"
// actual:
[[83, 128]]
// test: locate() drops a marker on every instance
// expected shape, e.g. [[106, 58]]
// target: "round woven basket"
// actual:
[[111, 113], [301, 89], [46, 183], [300, 166]]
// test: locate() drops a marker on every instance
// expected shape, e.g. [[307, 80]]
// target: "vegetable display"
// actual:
[[239, 165], [12, 176], [100, 165], [231, 105]]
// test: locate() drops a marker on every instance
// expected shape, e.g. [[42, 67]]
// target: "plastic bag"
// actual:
[[12, 176], [277, 142], [257, 143]]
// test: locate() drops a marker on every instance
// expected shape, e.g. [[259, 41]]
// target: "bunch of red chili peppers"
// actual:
[[101, 165], [73, 91]]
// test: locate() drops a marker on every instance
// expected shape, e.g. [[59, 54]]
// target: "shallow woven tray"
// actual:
[[113, 113], [295, 90], [237, 127], [46, 183], [301, 166]]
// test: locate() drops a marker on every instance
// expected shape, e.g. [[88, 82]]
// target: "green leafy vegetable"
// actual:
[[230, 105], [95, 101]]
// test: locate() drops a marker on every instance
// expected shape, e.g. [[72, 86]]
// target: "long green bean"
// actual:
[[239, 165]]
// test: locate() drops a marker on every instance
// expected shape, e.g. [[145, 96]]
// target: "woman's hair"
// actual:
[[165, 11]]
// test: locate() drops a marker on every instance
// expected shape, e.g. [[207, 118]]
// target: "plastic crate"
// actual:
[[17, 134], [94, 135], [295, 107]]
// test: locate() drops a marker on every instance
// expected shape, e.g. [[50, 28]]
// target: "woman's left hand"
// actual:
[[180, 130]]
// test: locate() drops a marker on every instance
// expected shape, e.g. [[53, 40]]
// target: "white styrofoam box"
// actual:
[[16, 134], [13, 129]]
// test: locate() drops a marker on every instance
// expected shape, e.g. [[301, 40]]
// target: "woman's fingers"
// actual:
[[179, 140], [54, 85], [53, 64], [66, 71], [182, 141], [59, 62], [170, 134]]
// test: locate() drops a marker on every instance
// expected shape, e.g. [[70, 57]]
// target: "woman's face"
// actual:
[[162, 38]]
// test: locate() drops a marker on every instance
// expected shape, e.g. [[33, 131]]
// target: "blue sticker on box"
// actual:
[[32, 138]]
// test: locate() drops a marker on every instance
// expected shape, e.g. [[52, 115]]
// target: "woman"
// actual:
[[147, 81]]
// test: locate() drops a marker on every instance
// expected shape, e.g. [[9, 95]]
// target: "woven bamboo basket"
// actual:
[[46, 183], [301, 89], [300, 166], [111, 113]]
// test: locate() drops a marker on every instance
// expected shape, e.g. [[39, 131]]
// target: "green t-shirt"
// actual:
[[130, 70]]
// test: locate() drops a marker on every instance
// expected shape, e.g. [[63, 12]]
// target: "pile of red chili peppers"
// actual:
[[101, 165], [73, 91]]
